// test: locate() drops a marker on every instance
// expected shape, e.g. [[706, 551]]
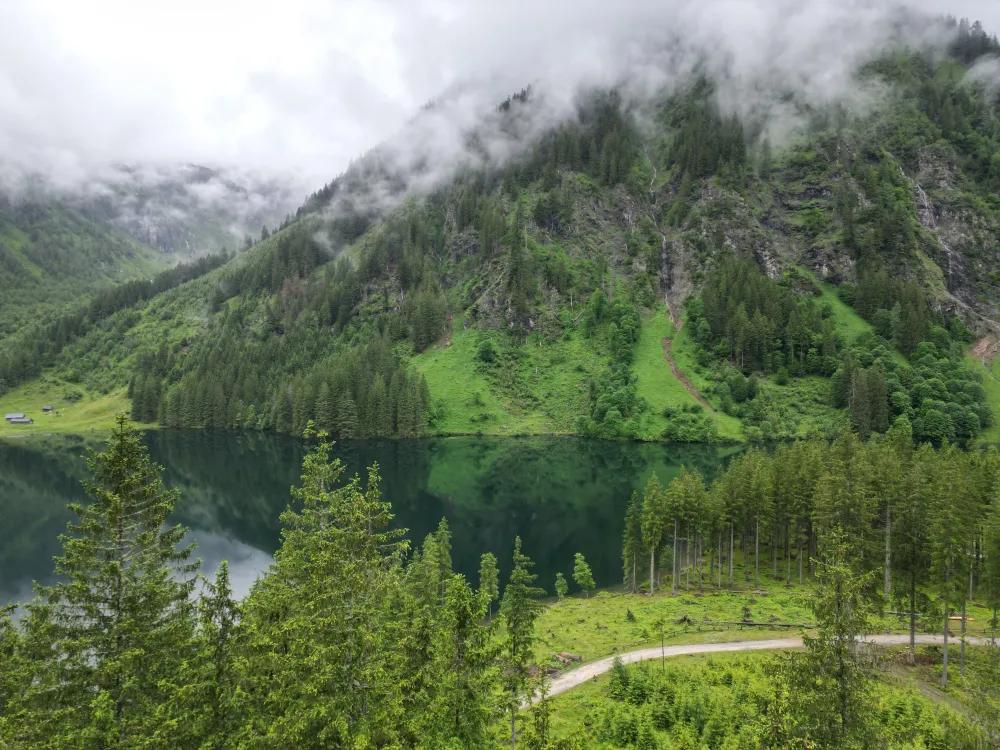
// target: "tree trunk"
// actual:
[[944, 663], [913, 616], [756, 554], [673, 574], [788, 554], [731, 547], [774, 551], [635, 586], [800, 562], [720, 558], [887, 583], [961, 651], [652, 570]]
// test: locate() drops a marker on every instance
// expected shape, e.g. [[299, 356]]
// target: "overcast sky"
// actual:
[[302, 86]]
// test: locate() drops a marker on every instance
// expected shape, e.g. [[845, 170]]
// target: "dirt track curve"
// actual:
[[580, 675], [672, 363]]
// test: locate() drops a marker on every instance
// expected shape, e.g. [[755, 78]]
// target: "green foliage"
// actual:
[[826, 691], [761, 325], [937, 392], [561, 586], [689, 425], [519, 608], [116, 630], [582, 575], [733, 701], [706, 141]]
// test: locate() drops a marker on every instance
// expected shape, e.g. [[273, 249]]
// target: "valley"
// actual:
[[637, 388]]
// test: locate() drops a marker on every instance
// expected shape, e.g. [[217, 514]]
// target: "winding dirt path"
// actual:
[[688, 385], [575, 677], [672, 363]]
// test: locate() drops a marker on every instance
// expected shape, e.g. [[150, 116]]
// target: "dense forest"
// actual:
[[918, 522], [837, 278], [354, 638], [807, 285]]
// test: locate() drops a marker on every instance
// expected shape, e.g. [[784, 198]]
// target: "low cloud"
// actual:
[[296, 90]]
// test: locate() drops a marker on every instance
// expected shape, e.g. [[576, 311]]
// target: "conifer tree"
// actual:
[[828, 688], [582, 575], [317, 626], [462, 706], [652, 524], [561, 586], [489, 579], [14, 674], [991, 548], [683, 499], [520, 607], [632, 549], [118, 624], [951, 523], [220, 618], [911, 532]]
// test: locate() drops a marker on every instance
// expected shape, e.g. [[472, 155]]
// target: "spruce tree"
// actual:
[[561, 586], [318, 666], [826, 690], [489, 579], [118, 625], [519, 608], [632, 549], [461, 705], [582, 575], [652, 524], [14, 675]]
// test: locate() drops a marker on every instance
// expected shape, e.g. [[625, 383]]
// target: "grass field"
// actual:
[[849, 324], [572, 710], [535, 388], [462, 396], [88, 413], [613, 621], [656, 383], [991, 384]]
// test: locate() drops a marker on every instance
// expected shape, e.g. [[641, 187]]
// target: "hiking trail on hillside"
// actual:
[[672, 363]]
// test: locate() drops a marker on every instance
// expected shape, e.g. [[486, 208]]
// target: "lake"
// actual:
[[560, 494]]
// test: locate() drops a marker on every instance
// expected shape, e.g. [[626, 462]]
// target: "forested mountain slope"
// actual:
[[188, 210], [658, 269], [51, 255]]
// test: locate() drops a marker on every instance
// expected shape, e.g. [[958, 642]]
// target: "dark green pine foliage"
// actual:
[[518, 609], [14, 674], [206, 708], [317, 665], [110, 636], [707, 141], [449, 652], [762, 325], [366, 391], [633, 553], [827, 690]]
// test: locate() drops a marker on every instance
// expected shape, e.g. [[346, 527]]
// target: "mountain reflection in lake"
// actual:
[[560, 494]]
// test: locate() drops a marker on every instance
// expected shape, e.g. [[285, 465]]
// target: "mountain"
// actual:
[[68, 248], [52, 255], [187, 210], [657, 267]]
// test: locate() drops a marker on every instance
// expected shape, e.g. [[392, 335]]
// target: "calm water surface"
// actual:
[[562, 495]]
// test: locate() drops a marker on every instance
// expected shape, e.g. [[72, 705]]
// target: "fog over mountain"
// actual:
[[295, 91]]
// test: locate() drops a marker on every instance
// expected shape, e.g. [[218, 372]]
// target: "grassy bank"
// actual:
[[75, 409]]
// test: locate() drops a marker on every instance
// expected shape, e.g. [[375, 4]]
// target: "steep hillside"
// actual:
[[51, 255], [187, 210], [655, 269]]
